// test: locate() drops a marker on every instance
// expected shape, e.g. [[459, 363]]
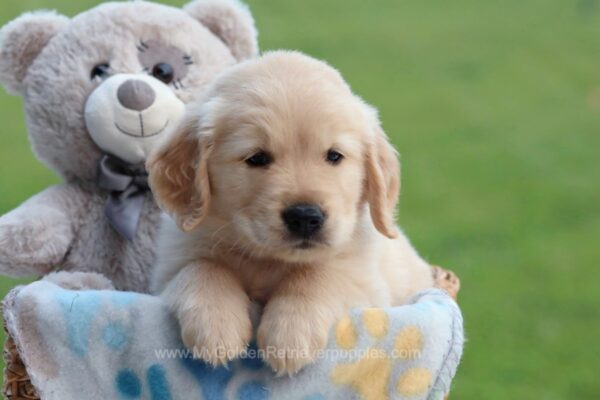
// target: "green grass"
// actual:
[[495, 107]]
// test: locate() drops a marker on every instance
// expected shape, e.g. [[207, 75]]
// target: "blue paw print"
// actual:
[[79, 309], [129, 385], [213, 381]]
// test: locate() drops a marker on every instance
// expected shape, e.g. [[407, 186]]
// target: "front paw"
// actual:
[[217, 336], [33, 243], [290, 339]]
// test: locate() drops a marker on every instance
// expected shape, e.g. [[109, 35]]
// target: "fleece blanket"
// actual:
[[119, 345]]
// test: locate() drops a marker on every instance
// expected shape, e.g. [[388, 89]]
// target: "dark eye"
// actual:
[[163, 72], [260, 159], [100, 71], [334, 157]]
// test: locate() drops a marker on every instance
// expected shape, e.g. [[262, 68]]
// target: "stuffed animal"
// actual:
[[100, 91]]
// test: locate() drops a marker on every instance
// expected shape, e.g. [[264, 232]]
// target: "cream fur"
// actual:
[[295, 108]]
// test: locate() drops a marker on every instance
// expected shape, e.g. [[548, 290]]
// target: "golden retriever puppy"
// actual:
[[282, 189]]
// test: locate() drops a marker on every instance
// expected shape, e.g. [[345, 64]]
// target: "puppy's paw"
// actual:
[[216, 337], [290, 340]]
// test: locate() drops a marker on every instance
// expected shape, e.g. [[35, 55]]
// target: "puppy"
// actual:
[[282, 188]]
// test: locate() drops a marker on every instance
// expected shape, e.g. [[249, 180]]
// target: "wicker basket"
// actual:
[[18, 386]]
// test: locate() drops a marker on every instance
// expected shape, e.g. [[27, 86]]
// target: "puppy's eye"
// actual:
[[100, 71], [163, 72], [260, 159], [334, 157]]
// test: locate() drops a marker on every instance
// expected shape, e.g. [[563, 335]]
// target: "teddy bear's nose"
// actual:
[[135, 94]]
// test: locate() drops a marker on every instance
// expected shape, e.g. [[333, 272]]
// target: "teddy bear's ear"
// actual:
[[21, 41], [231, 21]]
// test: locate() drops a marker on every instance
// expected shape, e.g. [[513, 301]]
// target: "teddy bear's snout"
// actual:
[[136, 95], [127, 113]]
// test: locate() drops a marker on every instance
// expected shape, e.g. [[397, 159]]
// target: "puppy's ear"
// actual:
[[231, 21], [382, 182], [178, 176], [21, 41]]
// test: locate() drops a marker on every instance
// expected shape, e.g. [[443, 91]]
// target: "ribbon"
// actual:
[[128, 185]]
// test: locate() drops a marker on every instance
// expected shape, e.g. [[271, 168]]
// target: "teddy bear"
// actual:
[[100, 91]]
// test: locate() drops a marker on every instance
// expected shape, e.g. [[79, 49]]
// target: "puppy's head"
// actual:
[[283, 150]]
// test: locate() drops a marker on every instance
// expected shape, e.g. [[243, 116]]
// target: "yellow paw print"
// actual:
[[370, 375]]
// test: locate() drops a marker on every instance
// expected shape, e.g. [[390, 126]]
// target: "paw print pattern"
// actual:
[[129, 386], [370, 375], [216, 382], [403, 353]]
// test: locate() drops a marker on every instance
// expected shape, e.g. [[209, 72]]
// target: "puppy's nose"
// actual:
[[136, 95], [303, 220]]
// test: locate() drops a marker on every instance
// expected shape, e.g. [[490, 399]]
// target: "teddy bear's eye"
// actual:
[[163, 72], [100, 71]]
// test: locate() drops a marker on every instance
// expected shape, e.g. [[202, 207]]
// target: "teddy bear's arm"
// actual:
[[36, 236]]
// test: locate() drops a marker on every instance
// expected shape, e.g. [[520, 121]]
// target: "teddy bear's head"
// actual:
[[115, 79]]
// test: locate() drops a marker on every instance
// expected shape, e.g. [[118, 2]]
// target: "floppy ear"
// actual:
[[231, 21], [21, 41], [382, 182], [178, 176]]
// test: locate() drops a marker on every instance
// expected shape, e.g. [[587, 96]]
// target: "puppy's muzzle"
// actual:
[[303, 220]]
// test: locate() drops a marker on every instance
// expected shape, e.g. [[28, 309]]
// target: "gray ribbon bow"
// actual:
[[128, 186]]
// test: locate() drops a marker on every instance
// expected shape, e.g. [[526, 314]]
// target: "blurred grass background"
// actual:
[[495, 107]]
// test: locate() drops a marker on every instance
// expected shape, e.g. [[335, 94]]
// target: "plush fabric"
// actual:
[[50, 60], [120, 345]]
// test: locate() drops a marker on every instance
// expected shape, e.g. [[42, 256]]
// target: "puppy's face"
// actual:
[[291, 181], [287, 155]]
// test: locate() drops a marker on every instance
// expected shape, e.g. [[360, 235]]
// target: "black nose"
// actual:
[[303, 220], [136, 95]]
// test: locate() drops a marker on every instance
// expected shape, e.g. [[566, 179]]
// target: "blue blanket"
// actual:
[[118, 345]]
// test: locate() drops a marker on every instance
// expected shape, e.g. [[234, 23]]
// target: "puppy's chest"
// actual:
[[260, 281]]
